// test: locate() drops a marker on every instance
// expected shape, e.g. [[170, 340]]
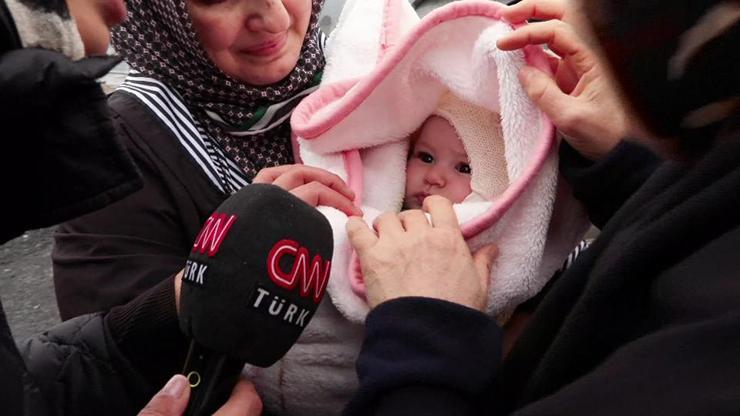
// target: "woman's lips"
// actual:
[[268, 48]]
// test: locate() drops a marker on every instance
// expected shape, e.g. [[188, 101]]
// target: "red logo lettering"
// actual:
[[311, 276], [213, 233]]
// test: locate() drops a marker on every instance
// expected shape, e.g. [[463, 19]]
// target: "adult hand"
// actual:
[[581, 98], [172, 400], [313, 185], [411, 257]]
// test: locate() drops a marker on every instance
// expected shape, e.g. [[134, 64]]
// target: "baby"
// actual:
[[438, 161]]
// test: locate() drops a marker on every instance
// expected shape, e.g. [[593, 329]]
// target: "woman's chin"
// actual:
[[265, 73]]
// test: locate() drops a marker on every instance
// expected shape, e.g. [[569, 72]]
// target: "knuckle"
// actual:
[[386, 216]]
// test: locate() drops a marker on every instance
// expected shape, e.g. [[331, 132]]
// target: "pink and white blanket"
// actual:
[[386, 72]]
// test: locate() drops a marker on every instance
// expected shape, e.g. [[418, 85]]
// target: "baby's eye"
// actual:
[[425, 157], [464, 168]]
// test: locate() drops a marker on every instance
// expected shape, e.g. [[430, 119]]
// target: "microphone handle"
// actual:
[[212, 377]]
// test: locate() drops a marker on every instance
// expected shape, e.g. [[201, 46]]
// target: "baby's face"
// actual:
[[438, 165]]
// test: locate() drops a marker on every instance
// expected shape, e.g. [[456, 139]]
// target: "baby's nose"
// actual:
[[435, 176]]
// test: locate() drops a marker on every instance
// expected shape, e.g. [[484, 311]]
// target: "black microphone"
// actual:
[[255, 276]]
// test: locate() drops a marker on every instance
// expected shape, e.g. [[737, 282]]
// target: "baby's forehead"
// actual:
[[437, 132]]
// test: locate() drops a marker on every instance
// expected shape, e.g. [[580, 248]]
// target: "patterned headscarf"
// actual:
[[677, 62], [158, 40]]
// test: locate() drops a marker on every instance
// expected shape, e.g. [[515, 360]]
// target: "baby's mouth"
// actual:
[[420, 198]]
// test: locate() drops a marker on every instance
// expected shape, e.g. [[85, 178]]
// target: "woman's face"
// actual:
[[255, 41]]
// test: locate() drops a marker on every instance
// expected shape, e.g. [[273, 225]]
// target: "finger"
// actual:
[[244, 401], [316, 194], [545, 94], [414, 219], [558, 36], [388, 224], [483, 259], [441, 212], [528, 9], [171, 400], [360, 235], [301, 175], [268, 175], [566, 77]]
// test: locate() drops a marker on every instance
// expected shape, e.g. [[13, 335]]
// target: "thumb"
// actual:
[[544, 92], [483, 259], [171, 400], [360, 235]]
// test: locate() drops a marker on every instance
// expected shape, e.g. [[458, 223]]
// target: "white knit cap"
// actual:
[[483, 139]]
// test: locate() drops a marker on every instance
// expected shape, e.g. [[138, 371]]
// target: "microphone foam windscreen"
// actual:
[[256, 274]]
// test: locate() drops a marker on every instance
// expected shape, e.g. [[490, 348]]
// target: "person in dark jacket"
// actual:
[[646, 320], [64, 161]]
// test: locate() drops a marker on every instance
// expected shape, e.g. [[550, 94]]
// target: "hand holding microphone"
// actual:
[[256, 274], [173, 399]]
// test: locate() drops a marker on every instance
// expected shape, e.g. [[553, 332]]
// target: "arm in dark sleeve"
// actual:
[[685, 369], [64, 160], [109, 363], [416, 362], [605, 185], [108, 257], [425, 357]]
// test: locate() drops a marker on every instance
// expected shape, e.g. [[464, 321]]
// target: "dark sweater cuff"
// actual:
[[147, 332], [604, 185], [414, 342]]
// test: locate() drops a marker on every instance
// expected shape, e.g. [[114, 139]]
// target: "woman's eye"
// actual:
[[425, 157], [464, 168]]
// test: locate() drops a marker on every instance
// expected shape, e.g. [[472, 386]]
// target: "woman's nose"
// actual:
[[267, 16]]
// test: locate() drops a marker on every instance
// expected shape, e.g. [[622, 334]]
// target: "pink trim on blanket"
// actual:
[[355, 175], [301, 122]]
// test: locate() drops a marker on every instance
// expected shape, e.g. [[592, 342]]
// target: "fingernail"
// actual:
[[176, 386]]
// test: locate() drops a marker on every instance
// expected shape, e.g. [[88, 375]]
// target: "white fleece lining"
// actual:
[[38, 29]]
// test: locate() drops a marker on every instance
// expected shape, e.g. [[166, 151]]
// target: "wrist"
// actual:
[[146, 330]]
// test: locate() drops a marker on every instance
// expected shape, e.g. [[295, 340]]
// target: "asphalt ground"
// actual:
[[26, 288]]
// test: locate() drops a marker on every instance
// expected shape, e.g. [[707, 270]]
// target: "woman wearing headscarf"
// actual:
[[205, 108], [646, 320], [73, 165]]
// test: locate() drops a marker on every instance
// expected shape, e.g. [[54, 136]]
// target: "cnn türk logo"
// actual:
[[213, 233], [310, 274]]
